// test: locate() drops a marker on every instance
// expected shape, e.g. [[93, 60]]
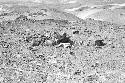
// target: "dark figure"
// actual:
[[99, 43], [76, 32], [36, 43], [64, 39], [22, 18]]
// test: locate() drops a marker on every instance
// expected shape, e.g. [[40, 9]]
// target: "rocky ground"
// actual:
[[43, 45]]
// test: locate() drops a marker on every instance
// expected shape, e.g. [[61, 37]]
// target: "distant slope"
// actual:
[[38, 11]]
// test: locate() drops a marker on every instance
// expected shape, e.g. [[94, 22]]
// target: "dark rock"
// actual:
[[99, 43], [76, 32]]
